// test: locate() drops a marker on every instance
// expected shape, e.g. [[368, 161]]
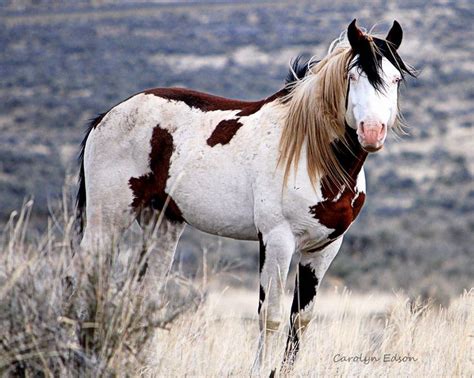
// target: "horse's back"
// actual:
[[157, 147]]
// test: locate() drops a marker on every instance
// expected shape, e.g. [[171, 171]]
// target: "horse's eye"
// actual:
[[397, 80], [352, 77]]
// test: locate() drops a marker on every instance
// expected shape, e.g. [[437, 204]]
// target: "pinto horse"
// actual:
[[286, 171]]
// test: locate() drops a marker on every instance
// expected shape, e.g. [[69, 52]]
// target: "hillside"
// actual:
[[63, 64]]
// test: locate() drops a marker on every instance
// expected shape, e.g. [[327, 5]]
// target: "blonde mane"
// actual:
[[316, 110]]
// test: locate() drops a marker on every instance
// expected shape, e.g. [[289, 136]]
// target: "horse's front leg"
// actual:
[[276, 249], [311, 270]]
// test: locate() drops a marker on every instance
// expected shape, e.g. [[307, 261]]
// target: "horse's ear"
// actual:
[[355, 35], [395, 35]]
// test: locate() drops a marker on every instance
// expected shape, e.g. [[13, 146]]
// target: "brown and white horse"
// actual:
[[286, 170]]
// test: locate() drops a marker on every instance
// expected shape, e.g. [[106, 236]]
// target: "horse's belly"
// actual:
[[215, 197]]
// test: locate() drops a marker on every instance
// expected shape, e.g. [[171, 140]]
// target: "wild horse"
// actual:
[[286, 171]]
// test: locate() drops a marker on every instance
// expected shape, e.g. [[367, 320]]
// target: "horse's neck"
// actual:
[[350, 154], [351, 157]]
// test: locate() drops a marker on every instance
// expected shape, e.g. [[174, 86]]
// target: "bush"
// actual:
[[93, 323]]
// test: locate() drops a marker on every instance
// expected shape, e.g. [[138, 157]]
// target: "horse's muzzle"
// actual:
[[371, 135]]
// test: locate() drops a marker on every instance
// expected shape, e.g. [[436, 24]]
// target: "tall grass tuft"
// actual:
[[70, 312]]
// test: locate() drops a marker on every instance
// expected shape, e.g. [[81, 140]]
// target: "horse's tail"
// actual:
[[81, 199]]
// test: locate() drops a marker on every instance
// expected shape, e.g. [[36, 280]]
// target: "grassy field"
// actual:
[[89, 317], [384, 335]]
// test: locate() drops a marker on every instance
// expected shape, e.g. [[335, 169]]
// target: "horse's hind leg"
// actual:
[[160, 255], [108, 213]]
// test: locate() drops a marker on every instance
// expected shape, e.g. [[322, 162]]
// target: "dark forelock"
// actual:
[[369, 60]]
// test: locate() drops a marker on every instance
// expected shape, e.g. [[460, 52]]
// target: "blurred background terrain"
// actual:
[[63, 62]]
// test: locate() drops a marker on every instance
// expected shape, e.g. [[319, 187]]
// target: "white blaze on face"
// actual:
[[369, 111]]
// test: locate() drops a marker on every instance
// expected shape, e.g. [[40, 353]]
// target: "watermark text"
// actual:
[[365, 359]]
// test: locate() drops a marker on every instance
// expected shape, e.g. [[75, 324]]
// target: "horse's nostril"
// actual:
[[383, 126], [362, 125]]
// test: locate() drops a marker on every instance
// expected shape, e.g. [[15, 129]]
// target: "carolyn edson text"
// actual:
[[386, 357]]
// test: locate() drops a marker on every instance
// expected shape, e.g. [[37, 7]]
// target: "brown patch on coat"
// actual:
[[339, 210], [224, 132], [149, 190], [339, 214], [207, 102]]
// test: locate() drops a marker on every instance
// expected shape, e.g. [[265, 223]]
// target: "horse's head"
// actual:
[[355, 84], [374, 76]]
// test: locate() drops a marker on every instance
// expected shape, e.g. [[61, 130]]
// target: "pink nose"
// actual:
[[371, 134]]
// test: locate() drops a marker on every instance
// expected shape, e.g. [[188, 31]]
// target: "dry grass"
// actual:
[[220, 338], [105, 327], [78, 315]]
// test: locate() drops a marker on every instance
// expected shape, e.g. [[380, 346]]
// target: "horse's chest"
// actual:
[[319, 221], [338, 213]]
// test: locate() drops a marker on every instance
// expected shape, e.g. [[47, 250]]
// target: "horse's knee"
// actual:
[[270, 321], [301, 321], [272, 325]]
